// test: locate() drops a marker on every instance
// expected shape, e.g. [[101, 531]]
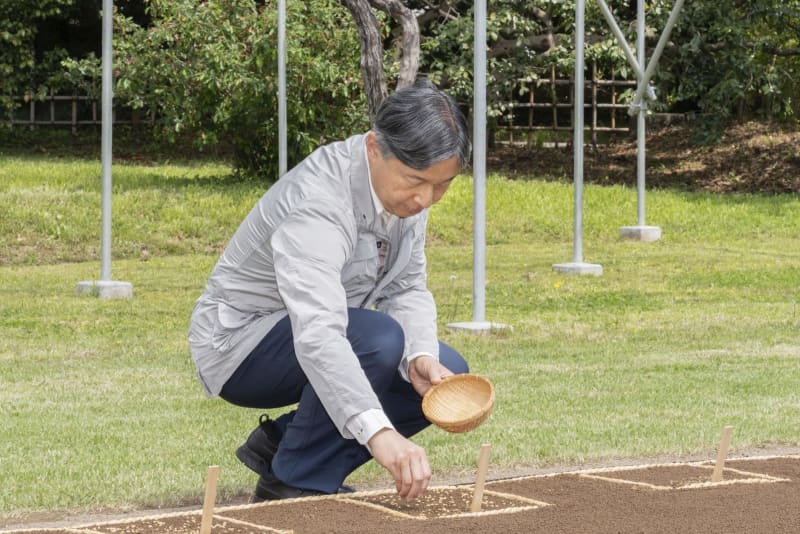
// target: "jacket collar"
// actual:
[[359, 183]]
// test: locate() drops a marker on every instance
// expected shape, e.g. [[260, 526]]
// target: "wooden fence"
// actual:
[[548, 106], [544, 105], [69, 110]]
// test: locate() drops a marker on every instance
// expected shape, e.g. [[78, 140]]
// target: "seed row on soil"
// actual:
[[680, 477], [445, 502]]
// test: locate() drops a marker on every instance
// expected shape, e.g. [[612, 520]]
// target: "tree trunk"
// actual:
[[371, 53], [409, 42], [372, 47]]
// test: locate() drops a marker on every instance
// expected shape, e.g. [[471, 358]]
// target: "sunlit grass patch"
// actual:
[[100, 406]]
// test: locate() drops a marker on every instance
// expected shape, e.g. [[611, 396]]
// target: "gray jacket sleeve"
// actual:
[[409, 302], [310, 248]]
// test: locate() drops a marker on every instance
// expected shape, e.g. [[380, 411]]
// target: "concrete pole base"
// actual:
[[105, 289], [579, 268], [478, 327], [640, 233]]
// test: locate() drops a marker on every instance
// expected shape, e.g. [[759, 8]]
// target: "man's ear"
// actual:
[[373, 148]]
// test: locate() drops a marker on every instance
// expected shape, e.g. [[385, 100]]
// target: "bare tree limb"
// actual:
[[409, 42], [443, 10], [505, 47], [372, 47], [544, 43], [371, 53], [785, 52]]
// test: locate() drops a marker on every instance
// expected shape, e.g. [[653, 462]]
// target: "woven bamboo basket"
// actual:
[[459, 403]]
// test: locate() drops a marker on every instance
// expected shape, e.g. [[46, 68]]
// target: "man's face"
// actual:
[[405, 191]]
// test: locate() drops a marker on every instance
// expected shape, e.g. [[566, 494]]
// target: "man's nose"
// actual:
[[425, 197]]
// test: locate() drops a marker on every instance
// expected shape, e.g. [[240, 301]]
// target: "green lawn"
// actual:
[[99, 407]]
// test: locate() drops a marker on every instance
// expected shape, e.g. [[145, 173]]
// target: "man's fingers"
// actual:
[[422, 476], [419, 476], [398, 482], [406, 480], [434, 376], [437, 372], [406, 462]]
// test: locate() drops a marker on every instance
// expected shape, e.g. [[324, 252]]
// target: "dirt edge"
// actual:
[[72, 518]]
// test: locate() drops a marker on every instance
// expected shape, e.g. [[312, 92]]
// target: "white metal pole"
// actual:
[[479, 164], [479, 324], [105, 288], [577, 266], [105, 142], [577, 246], [282, 147], [640, 127], [662, 42]]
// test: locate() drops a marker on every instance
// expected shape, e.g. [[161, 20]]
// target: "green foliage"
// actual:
[[83, 75], [728, 61], [525, 41], [20, 72], [209, 71], [447, 48], [723, 60], [208, 68]]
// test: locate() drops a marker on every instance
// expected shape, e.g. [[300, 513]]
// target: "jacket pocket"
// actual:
[[228, 325], [230, 317], [359, 274]]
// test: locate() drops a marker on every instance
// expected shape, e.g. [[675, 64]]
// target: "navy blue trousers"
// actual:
[[312, 453]]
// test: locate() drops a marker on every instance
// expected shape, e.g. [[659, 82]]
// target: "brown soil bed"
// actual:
[[179, 524], [443, 502], [184, 523], [676, 476], [756, 495]]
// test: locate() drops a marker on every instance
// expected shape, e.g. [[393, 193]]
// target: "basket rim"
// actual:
[[462, 424]]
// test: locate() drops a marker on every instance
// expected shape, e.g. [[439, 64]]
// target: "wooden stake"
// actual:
[[724, 443], [483, 467], [208, 502]]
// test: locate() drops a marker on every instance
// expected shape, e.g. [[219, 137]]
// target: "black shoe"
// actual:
[[270, 488], [261, 445]]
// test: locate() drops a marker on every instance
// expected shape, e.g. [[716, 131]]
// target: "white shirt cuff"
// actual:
[[366, 424]]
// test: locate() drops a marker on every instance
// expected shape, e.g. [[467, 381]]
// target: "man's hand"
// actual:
[[426, 371], [405, 461]]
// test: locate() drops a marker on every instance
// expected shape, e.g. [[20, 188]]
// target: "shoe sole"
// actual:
[[252, 460]]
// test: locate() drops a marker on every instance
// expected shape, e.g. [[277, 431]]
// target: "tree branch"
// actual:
[[792, 51], [409, 42], [540, 43], [371, 53], [442, 11], [783, 51], [544, 43]]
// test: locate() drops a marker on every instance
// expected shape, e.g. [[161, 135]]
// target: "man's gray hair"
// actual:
[[421, 125]]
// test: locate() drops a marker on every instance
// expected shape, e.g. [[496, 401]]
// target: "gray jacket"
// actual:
[[309, 248]]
